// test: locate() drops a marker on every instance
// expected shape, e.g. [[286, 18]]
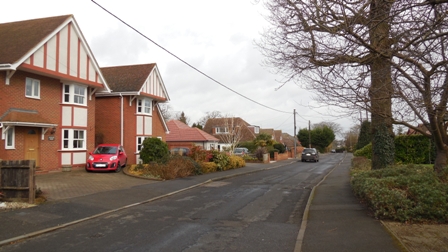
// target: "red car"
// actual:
[[107, 157]]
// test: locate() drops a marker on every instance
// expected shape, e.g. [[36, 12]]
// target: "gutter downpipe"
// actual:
[[121, 120]]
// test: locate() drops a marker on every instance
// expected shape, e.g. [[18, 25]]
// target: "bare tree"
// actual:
[[209, 115], [335, 127], [233, 132], [165, 110], [421, 74], [383, 56]]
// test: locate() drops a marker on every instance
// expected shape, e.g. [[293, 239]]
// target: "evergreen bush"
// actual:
[[154, 150]]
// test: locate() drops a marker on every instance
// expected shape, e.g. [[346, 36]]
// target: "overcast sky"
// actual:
[[216, 37]]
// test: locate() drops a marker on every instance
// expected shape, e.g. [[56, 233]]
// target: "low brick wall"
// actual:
[[282, 156]]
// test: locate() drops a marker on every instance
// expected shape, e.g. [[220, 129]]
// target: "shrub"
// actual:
[[236, 162], [208, 167], [280, 147], [176, 167], [415, 149], [364, 135], [403, 193], [221, 160], [271, 153], [198, 154], [259, 153], [365, 151], [154, 150]]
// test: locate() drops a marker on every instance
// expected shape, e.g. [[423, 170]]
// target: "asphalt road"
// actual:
[[260, 211]]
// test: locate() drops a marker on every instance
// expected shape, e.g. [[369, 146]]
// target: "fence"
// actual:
[[17, 180]]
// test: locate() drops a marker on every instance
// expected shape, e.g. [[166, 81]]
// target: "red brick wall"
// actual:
[[48, 106], [107, 120], [172, 145], [130, 130]]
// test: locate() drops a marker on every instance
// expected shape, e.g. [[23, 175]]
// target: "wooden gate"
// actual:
[[17, 180]]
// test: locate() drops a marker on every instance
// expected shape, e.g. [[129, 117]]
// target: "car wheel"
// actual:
[[118, 168], [303, 160]]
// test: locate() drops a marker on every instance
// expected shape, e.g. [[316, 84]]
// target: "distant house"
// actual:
[[48, 81], [414, 132], [269, 132], [130, 112], [289, 141], [181, 135], [225, 128], [278, 136]]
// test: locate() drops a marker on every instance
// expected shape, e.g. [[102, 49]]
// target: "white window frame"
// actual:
[[33, 86], [71, 139], [144, 106], [139, 146], [8, 137], [71, 95], [218, 130]]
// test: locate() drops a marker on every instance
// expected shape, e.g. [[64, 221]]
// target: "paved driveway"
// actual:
[[64, 185]]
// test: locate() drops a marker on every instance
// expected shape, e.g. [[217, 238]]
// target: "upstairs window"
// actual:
[[75, 94], [221, 130], [32, 88], [144, 106]]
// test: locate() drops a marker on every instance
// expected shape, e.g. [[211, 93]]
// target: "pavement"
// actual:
[[333, 220]]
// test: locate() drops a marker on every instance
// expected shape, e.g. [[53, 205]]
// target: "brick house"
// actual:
[[48, 78], [182, 135], [222, 128], [130, 112]]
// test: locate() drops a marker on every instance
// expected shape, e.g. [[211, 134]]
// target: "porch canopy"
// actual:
[[25, 118]]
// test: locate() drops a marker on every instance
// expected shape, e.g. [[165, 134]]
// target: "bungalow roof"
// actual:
[[180, 132]]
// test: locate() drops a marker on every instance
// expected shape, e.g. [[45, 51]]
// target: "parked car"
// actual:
[[240, 151], [183, 151], [107, 157], [310, 154], [333, 151]]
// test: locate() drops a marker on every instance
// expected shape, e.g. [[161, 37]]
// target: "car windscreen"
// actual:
[[105, 150], [308, 151]]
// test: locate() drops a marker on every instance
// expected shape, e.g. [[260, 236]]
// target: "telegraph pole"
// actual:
[[309, 134], [295, 133]]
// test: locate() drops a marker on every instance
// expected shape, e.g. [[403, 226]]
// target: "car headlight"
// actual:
[[113, 158], [91, 158]]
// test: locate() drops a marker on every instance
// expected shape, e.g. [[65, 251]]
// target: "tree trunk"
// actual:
[[380, 91], [441, 160], [437, 135]]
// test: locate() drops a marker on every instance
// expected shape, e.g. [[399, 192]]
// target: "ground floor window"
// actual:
[[73, 139], [140, 140], [9, 137]]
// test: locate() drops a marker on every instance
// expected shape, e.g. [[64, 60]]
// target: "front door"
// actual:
[[32, 145]]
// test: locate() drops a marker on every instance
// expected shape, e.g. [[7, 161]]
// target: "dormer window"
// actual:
[[221, 130], [144, 106]]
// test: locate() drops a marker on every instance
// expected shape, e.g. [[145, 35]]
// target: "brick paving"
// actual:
[[75, 183]]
